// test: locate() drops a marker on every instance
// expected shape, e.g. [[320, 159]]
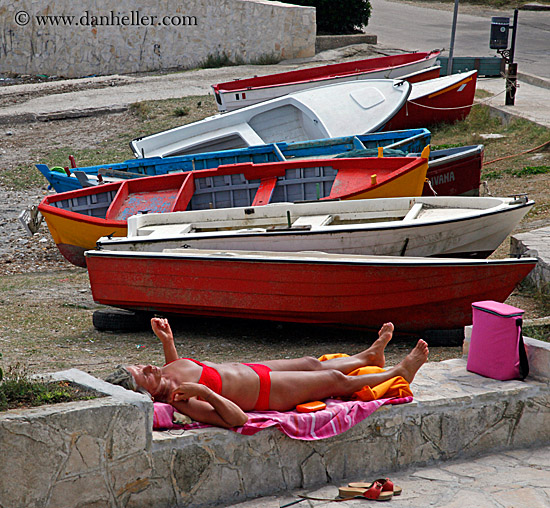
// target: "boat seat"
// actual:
[[313, 221], [413, 212], [264, 192], [165, 230], [83, 179]]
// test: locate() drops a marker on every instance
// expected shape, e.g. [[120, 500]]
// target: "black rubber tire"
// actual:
[[119, 320], [454, 337]]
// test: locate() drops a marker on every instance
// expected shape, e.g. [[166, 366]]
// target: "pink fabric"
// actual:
[[495, 341], [338, 417]]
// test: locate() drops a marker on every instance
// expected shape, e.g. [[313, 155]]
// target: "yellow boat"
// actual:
[[77, 219]]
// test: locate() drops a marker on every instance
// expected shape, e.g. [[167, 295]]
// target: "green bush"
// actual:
[[339, 16], [17, 389]]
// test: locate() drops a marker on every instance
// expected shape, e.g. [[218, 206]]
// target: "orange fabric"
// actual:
[[394, 387]]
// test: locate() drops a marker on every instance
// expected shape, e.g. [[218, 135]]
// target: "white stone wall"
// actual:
[[106, 37]]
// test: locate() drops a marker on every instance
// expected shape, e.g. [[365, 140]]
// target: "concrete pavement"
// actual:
[[512, 479], [108, 94]]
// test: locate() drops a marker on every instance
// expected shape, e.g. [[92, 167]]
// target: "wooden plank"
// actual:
[[490, 66]]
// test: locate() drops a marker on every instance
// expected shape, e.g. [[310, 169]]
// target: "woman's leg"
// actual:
[[373, 357], [288, 389]]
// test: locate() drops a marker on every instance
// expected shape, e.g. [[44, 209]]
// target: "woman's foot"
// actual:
[[410, 365], [375, 354]]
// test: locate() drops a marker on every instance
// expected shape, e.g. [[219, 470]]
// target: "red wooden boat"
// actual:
[[312, 287], [454, 171], [441, 100], [245, 92], [77, 219]]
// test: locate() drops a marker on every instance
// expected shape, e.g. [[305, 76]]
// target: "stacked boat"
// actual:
[[311, 197]]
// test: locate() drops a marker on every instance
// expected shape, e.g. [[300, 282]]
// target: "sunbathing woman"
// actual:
[[220, 393]]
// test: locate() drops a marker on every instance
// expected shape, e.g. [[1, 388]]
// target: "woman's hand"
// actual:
[[163, 331], [203, 405], [187, 390]]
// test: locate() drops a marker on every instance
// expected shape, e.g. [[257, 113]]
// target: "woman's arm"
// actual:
[[164, 333], [212, 409]]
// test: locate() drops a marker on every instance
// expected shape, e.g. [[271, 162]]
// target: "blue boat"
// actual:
[[393, 143]]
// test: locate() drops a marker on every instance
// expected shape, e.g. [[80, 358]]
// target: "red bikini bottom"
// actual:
[[262, 403]]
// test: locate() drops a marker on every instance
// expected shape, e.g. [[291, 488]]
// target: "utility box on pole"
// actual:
[[498, 40], [499, 33]]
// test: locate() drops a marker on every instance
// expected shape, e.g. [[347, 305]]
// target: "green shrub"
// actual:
[[18, 389], [339, 16]]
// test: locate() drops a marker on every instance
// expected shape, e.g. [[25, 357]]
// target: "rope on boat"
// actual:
[[481, 101]]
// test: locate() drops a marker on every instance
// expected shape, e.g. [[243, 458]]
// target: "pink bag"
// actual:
[[496, 347]]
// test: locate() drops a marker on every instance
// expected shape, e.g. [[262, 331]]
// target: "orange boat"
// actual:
[[77, 219]]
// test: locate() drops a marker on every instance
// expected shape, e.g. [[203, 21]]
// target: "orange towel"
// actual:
[[394, 387]]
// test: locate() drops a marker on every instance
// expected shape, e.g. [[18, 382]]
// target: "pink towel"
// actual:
[[338, 417]]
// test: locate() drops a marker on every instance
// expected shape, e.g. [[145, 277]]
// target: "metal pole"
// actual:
[[512, 74], [451, 48], [514, 28]]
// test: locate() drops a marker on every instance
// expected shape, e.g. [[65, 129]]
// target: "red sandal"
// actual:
[[388, 486], [374, 491]]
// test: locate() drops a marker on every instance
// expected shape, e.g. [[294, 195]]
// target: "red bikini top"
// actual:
[[209, 377]]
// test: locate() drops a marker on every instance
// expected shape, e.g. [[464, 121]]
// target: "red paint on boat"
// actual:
[[415, 295], [447, 104], [325, 72]]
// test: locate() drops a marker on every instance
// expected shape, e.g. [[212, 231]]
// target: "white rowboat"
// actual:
[[419, 226], [330, 111]]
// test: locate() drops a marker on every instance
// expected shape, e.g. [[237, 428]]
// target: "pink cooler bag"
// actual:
[[496, 347]]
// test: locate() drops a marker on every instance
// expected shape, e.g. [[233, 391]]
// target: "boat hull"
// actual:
[[343, 109], [407, 141], [79, 218], [237, 94], [454, 172], [416, 295], [464, 228], [445, 100]]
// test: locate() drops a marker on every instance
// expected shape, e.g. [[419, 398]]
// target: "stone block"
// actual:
[[536, 244], [81, 492], [326, 42]]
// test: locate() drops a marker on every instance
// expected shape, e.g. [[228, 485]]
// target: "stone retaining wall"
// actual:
[[103, 453], [535, 244], [107, 37]]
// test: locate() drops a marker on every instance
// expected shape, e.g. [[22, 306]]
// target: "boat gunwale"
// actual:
[[325, 77], [308, 257], [329, 229]]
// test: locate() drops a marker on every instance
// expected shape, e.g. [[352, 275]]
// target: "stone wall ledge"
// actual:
[[535, 243], [104, 453], [326, 42]]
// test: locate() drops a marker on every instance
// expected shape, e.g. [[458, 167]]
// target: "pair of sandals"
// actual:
[[382, 489]]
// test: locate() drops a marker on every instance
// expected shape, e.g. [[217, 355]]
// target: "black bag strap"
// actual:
[[523, 361]]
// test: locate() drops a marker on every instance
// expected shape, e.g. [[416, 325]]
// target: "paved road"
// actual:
[[405, 26]]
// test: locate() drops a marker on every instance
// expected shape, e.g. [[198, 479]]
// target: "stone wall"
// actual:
[[103, 453], [76, 454], [535, 243], [64, 38]]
